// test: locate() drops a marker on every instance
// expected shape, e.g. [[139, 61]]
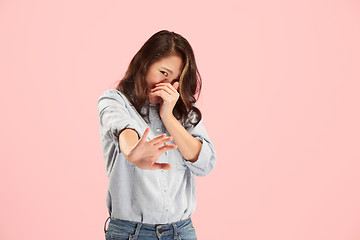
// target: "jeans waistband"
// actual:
[[156, 228], [133, 223]]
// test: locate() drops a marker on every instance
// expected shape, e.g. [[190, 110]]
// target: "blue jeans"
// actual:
[[126, 230]]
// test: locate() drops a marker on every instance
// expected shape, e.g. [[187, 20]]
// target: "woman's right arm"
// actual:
[[117, 126], [143, 153], [127, 139]]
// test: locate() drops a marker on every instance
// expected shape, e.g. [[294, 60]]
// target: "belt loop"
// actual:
[[105, 224], [137, 231], [176, 234]]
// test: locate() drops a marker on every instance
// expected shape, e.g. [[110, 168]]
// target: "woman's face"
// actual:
[[167, 70]]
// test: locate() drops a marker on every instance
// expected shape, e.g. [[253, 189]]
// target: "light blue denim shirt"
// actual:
[[148, 196]]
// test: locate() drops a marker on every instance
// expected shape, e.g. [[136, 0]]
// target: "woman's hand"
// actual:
[[145, 153], [169, 95]]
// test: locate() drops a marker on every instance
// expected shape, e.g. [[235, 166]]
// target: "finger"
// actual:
[[165, 140], [167, 147], [146, 132], [165, 96], [166, 85], [173, 87], [157, 138], [163, 84], [176, 85], [164, 88], [164, 166]]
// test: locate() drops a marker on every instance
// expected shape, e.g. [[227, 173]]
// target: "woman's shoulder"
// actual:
[[113, 93]]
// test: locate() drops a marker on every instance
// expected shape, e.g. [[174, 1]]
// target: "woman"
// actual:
[[154, 142]]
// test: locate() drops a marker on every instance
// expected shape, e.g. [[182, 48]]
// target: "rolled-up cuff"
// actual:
[[206, 159]]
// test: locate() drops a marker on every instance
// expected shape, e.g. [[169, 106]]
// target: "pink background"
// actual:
[[280, 102]]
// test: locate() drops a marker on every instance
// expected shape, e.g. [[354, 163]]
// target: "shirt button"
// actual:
[[158, 130], [164, 190]]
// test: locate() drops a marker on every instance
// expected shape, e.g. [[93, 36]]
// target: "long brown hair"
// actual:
[[159, 45]]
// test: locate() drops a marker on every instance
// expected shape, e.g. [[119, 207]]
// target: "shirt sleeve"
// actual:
[[114, 117], [113, 114], [207, 156]]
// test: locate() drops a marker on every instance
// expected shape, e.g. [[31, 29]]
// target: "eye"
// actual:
[[164, 73]]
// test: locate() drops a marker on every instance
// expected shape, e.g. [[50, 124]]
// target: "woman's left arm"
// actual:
[[193, 141], [204, 161], [188, 146]]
